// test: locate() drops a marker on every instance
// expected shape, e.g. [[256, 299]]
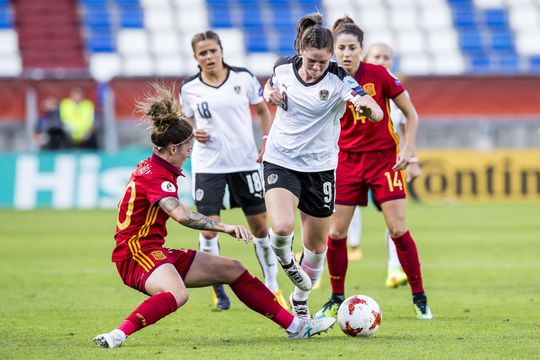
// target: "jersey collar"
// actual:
[[167, 165], [224, 81]]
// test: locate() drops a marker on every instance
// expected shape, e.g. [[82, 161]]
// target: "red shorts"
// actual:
[[358, 172], [135, 271]]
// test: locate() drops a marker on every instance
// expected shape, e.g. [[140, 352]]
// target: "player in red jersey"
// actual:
[[371, 159], [150, 199]]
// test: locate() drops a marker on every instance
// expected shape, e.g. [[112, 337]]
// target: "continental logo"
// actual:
[[476, 175]]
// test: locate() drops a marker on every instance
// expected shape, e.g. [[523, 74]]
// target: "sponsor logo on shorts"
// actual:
[[272, 179], [168, 186], [158, 255], [199, 194]]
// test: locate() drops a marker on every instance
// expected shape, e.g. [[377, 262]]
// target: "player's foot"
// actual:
[[110, 340], [330, 308], [355, 254], [299, 308], [219, 298], [311, 327], [395, 278], [281, 299], [297, 275], [421, 308]]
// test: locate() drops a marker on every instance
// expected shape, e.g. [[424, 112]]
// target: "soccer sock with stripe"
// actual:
[[313, 265], [252, 292], [282, 246], [149, 312], [338, 262], [268, 261], [408, 257]]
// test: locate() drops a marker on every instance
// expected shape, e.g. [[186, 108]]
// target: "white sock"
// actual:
[[268, 261], [282, 246], [210, 246], [393, 260], [313, 265], [354, 234], [295, 325]]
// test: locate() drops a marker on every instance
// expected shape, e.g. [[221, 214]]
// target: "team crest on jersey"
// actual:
[[168, 186], [323, 94], [199, 194], [237, 89], [272, 179], [370, 89], [158, 255]]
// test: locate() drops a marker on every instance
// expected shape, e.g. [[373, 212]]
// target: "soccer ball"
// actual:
[[359, 315]]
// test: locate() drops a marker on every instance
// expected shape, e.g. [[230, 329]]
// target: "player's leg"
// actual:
[[209, 190], [395, 274], [354, 236], [337, 259], [394, 215], [282, 191], [207, 270], [167, 293]]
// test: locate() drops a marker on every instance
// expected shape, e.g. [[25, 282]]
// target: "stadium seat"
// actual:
[[502, 42], [101, 43], [104, 66], [220, 16], [9, 45], [256, 42], [158, 19], [534, 64], [496, 19], [464, 18], [138, 66], [132, 42], [471, 42], [131, 19], [5, 19]]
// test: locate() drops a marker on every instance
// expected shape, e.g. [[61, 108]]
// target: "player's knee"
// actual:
[[283, 228], [396, 230], [181, 297], [259, 230], [337, 233], [208, 234], [235, 269]]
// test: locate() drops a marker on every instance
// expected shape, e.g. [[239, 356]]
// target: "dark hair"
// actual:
[[346, 25], [168, 124], [207, 35], [311, 33]]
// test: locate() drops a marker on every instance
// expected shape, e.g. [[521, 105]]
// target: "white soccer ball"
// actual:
[[359, 315]]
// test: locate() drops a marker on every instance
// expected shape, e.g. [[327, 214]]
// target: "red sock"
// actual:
[[408, 257], [337, 259], [150, 311], [252, 292]]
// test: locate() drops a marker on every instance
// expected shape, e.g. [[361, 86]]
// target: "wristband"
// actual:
[[413, 160]]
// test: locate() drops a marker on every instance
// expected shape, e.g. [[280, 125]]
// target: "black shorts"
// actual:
[[314, 190], [245, 191]]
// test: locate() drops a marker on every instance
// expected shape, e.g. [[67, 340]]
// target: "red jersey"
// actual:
[[141, 222], [358, 133]]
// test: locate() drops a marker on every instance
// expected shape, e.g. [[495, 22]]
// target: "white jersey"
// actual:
[[306, 127], [224, 113], [398, 118]]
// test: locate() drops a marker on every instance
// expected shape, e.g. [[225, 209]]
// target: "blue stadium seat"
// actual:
[[6, 21], [460, 2], [496, 19], [285, 45], [471, 42], [130, 19], [97, 20], [464, 18], [507, 63], [220, 16], [282, 20], [534, 64], [309, 6], [251, 18], [101, 43], [256, 42], [502, 42], [94, 2], [480, 64], [279, 4]]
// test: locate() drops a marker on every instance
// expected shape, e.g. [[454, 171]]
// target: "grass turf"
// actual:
[[480, 263]]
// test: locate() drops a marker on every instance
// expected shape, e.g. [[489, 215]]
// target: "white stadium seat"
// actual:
[[133, 42], [165, 43], [261, 64], [434, 17], [449, 64], [528, 43], [415, 65], [142, 65], [104, 66], [10, 66], [8, 42], [158, 19], [443, 41], [170, 66], [410, 42], [489, 4]]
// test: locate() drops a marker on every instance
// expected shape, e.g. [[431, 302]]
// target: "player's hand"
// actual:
[[272, 96], [402, 160], [239, 232], [201, 135], [413, 171], [368, 107], [261, 151]]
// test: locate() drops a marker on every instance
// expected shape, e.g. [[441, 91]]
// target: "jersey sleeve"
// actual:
[[186, 106], [255, 91], [158, 187], [391, 84]]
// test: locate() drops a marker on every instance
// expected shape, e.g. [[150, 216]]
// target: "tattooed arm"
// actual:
[[176, 210]]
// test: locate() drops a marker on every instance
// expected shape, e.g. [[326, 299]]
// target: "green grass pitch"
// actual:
[[481, 267]]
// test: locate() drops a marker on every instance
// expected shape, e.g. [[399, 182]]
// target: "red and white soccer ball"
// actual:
[[359, 315]]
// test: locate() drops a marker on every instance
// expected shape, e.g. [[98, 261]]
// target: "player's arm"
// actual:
[[408, 148], [363, 102], [176, 210], [270, 94], [264, 115]]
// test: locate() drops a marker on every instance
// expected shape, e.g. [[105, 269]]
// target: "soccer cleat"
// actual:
[[110, 340], [311, 327], [355, 254], [330, 308], [281, 299], [421, 308], [395, 278], [297, 275], [219, 298], [299, 308]]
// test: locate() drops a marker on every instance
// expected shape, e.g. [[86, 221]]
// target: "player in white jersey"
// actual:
[[302, 152], [217, 100], [381, 54]]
